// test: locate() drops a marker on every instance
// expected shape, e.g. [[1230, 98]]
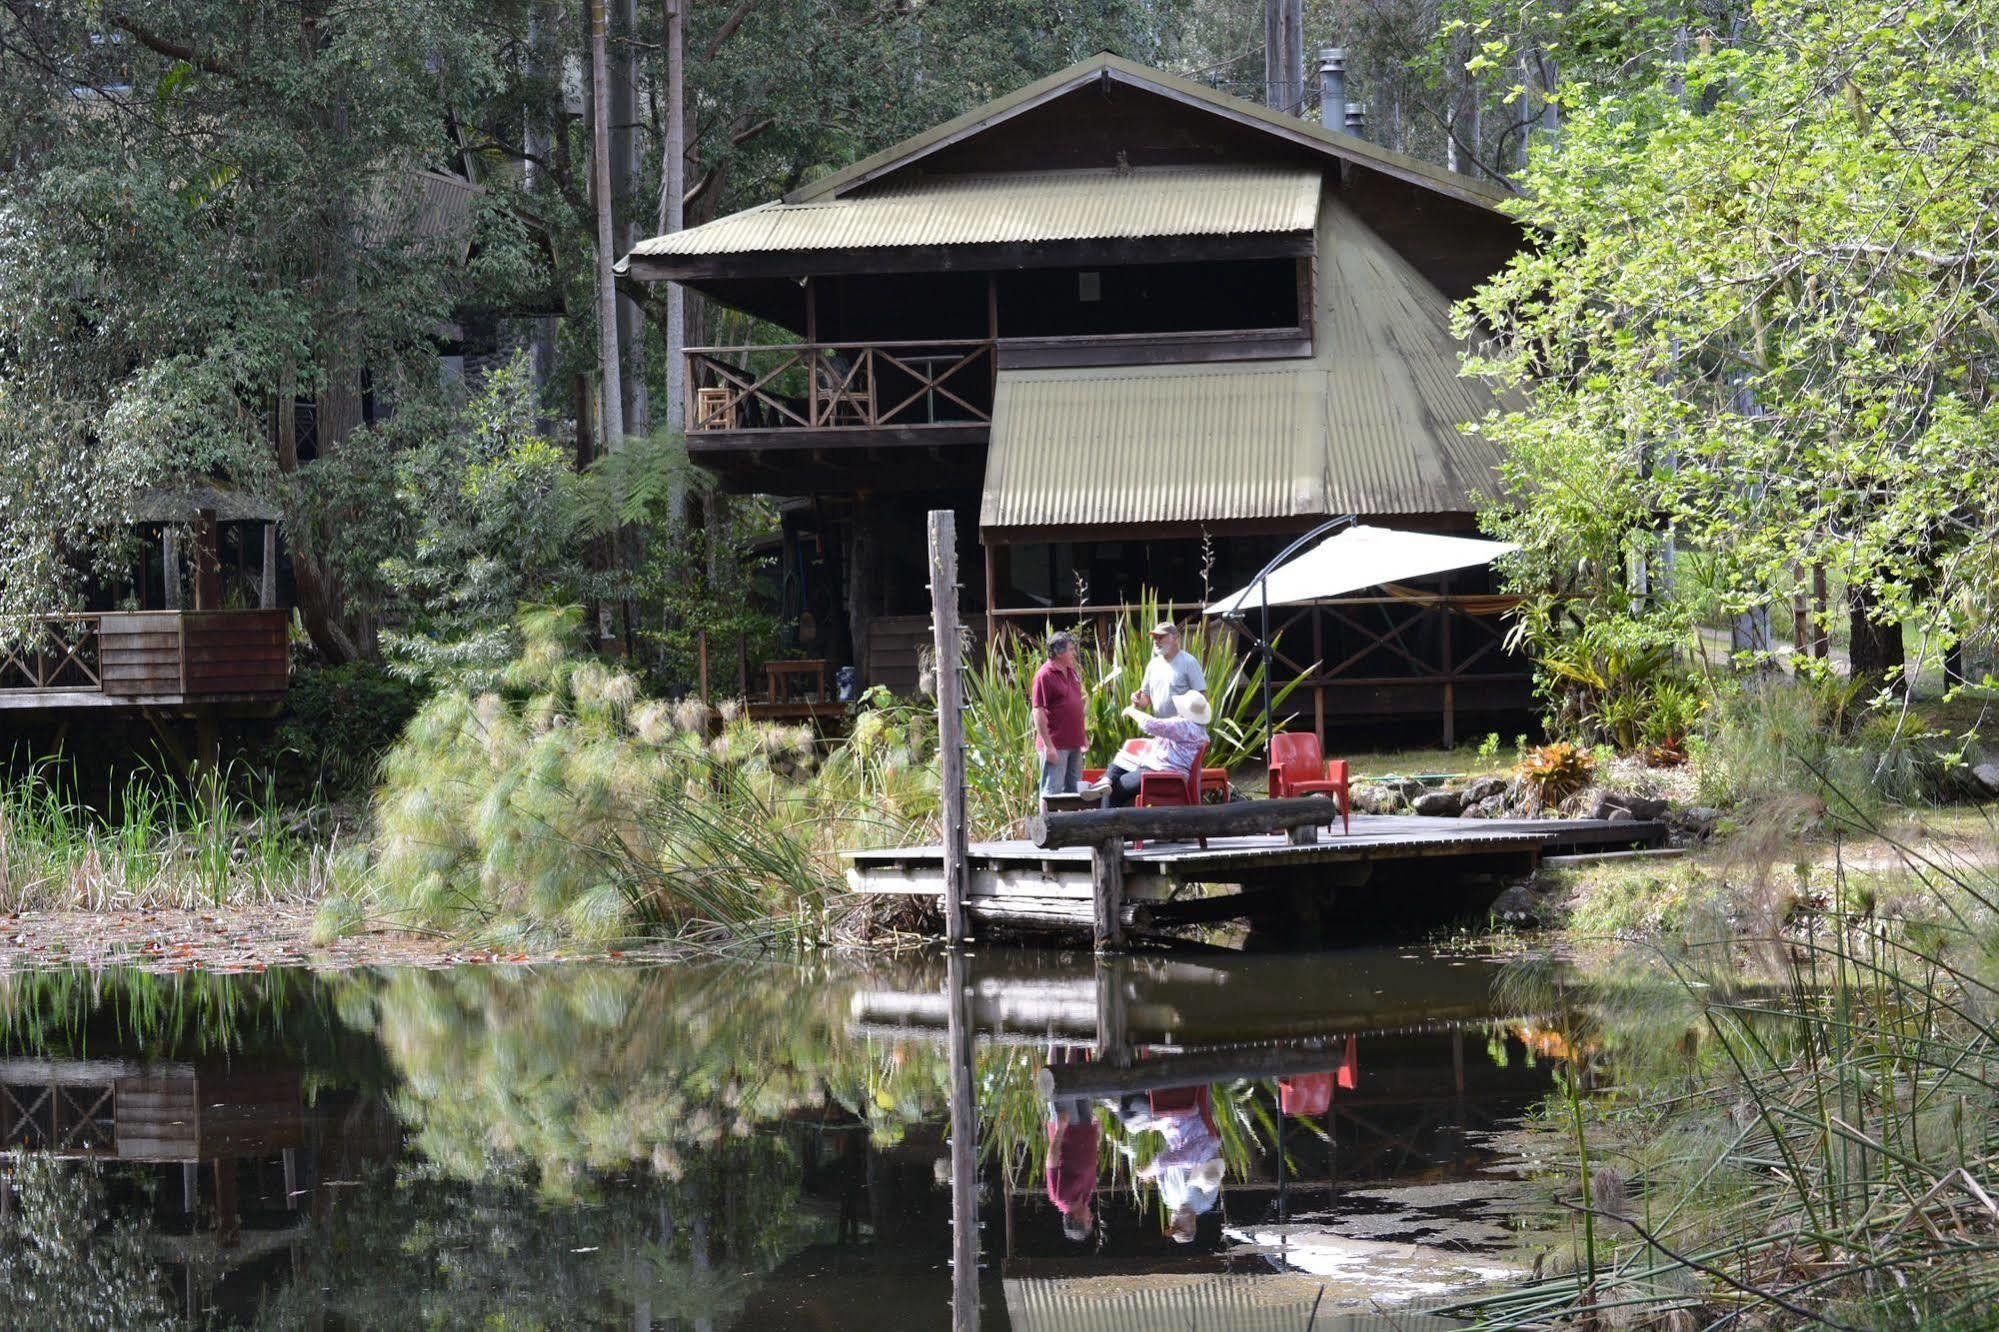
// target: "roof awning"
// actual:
[[1361, 557], [1155, 444], [1027, 206]]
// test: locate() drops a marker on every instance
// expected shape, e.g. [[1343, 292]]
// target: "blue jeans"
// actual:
[[1061, 771]]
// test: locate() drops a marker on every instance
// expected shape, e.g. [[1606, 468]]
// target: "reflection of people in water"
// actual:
[[1072, 1164], [1188, 1168]]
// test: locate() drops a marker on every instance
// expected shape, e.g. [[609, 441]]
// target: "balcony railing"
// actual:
[[59, 652], [840, 386], [147, 654]]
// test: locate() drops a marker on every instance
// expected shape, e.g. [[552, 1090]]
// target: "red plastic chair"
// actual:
[[1299, 768], [1162, 790], [1212, 779]]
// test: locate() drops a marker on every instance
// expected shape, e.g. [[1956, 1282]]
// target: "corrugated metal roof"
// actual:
[[1367, 425], [426, 210], [1172, 1302], [1394, 397], [1155, 444], [1020, 206]]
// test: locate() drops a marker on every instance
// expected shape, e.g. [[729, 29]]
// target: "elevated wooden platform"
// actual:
[[1418, 859], [166, 661]]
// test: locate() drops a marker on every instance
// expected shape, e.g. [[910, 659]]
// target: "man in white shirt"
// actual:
[[1171, 673]]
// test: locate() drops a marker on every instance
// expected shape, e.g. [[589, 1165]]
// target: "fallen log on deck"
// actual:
[[1241, 818], [1101, 1078]]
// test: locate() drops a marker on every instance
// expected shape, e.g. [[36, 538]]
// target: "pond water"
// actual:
[[751, 1146]]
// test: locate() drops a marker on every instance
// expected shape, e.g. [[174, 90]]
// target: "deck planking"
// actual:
[[1018, 867]]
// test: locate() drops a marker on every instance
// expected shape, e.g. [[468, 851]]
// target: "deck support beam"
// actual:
[[1107, 891]]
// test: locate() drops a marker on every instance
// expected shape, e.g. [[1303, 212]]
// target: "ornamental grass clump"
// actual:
[[1801, 1116], [565, 803]]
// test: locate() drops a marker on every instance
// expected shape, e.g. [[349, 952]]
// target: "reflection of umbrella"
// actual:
[[1345, 562]]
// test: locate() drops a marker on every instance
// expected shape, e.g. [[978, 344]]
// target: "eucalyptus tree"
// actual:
[[1758, 331]]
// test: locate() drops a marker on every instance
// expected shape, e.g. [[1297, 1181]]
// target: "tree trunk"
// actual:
[[673, 189], [319, 598], [613, 416], [1874, 646]]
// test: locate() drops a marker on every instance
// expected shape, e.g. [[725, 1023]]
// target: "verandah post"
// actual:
[[950, 718]]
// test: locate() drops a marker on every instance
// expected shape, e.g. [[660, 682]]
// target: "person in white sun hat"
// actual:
[[1174, 743]]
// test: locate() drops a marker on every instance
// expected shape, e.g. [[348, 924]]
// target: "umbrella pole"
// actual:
[[1263, 646]]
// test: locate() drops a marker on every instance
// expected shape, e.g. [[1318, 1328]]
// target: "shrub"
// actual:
[[1556, 771], [337, 724], [566, 802]]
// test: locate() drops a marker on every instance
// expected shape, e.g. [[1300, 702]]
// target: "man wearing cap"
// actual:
[[1170, 674]]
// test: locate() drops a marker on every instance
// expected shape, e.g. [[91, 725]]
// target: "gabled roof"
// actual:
[[1028, 206], [1112, 69]]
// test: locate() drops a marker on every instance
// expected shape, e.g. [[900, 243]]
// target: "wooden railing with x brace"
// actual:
[[839, 385], [56, 652]]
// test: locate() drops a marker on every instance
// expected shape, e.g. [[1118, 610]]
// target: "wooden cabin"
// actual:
[[1138, 334], [195, 630]]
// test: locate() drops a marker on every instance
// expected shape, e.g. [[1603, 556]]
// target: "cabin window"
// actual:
[[1089, 286]]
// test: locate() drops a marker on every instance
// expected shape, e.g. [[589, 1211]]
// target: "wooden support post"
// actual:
[[964, 1142], [1113, 1044], [267, 574], [992, 597], [1318, 615], [950, 718], [1107, 891], [170, 568], [1450, 677], [207, 562]]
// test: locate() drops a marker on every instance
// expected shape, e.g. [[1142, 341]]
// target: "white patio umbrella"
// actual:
[[1351, 559], [1356, 558]]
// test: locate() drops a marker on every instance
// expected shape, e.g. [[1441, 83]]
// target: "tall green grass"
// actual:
[[154, 842], [1818, 1149]]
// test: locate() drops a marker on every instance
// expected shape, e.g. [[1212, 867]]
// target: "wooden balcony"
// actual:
[[137, 659], [794, 395]]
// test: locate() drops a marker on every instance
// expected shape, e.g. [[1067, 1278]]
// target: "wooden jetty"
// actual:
[[1089, 871]]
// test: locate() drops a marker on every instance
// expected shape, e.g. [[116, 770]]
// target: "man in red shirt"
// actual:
[[1059, 737], [1073, 1136]]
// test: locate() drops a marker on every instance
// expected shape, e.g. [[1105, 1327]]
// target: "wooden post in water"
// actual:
[[964, 1129], [1107, 888], [950, 718]]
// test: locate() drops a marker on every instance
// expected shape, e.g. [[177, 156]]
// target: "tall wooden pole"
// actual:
[[964, 1146], [607, 287], [950, 717]]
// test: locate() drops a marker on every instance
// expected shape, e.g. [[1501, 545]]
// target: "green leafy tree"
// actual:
[[1757, 336]]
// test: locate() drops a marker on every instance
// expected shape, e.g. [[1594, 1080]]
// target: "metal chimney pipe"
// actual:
[[1357, 119], [1332, 86]]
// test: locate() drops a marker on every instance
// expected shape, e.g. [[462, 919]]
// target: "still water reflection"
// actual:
[[1014, 1140]]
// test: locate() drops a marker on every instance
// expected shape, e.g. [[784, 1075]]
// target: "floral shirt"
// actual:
[[1175, 742]]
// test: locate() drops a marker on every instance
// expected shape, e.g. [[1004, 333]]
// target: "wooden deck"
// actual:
[[149, 659], [1017, 882]]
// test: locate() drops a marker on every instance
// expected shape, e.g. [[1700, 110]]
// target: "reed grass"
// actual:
[[1817, 1144], [154, 843]]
